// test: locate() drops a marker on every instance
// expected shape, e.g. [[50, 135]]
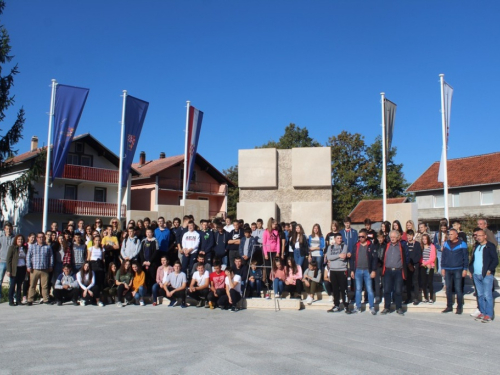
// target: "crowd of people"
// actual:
[[218, 263]]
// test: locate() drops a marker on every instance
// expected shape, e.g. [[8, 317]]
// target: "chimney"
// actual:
[[162, 155], [34, 143], [142, 158]]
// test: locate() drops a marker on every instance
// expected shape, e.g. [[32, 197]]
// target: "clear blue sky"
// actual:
[[255, 66]]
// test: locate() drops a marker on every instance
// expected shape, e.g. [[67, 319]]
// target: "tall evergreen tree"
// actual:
[[20, 186]]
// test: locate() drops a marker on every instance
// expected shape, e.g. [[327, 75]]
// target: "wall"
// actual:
[[301, 190], [403, 212], [197, 208]]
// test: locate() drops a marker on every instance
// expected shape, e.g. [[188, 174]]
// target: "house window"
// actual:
[[79, 147], [86, 160], [99, 194], [72, 159], [486, 198], [70, 192], [455, 198], [438, 201]]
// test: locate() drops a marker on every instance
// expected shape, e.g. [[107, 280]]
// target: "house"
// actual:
[[159, 183], [473, 188], [87, 189], [373, 209]]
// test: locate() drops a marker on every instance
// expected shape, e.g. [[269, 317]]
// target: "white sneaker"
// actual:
[[119, 304], [476, 313], [141, 303], [100, 304], [330, 299], [309, 300], [82, 302]]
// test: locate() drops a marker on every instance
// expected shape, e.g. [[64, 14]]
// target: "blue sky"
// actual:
[[253, 67]]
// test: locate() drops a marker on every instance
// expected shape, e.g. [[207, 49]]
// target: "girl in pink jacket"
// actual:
[[427, 269], [293, 281]]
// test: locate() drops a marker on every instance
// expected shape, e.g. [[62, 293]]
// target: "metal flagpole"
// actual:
[[445, 151], [384, 167], [120, 172], [184, 185], [49, 152]]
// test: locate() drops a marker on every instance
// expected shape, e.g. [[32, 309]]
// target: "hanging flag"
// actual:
[[193, 134], [390, 115], [68, 109], [135, 114], [448, 94]]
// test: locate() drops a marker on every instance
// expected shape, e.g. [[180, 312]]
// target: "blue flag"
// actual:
[[135, 114], [69, 105]]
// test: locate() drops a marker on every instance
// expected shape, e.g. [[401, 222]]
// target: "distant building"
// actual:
[[159, 183], [373, 209], [87, 189], [473, 188]]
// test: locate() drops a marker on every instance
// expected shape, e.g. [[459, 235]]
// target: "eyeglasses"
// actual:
[[361, 236]]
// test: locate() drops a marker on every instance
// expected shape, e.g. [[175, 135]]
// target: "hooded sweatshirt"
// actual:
[[333, 256], [271, 242]]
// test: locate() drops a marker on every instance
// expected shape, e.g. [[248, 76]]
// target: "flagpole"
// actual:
[[49, 152], [445, 151], [120, 169], [384, 167], [184, 185]]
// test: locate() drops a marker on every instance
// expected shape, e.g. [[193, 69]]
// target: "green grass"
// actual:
[[5, 294]]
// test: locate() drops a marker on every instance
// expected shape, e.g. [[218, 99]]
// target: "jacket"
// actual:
[[207, 242], [415, 255], [432, 257], [12, 258], [5, 242], [221, 243], [130, 248], [304, 246], [271, 242], [62, 280], [154, 252], [251, 245], [403, 250], [371, 254], [350, 238], [455, 256], [490, 259]]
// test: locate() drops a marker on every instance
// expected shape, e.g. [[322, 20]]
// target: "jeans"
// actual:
[[360, 276], [16, 284], [140, 293], [3, 270], [378, 283], [188, 263], [393, 281], [255, 286], [299, 260], [278, 286], [438, 256], [454, 277], [338, 279], [224, 299], [412, 283], [156, 288], [484, 286]]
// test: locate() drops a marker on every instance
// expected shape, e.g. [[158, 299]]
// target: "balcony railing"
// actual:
[[78, 172], [194, 187], [79, 208]]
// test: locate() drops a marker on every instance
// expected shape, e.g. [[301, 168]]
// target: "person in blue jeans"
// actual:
[[454, 265], [482, 270], [254, 279], [278, 277], [364, 262]]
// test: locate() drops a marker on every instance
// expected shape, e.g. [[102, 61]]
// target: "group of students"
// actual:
[[218, 265]]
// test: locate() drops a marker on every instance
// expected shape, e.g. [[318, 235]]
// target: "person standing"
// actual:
[[16, 268], [316, 246], [190, 245], [413, 268], [149, 258], [233, 244], [427, 268], [298, 245], [394, 272], [336, 258], [6, 240], [270, 247], [130, 246], [207, 241], [482, 269], [39, 263], [483, 224], [350, 238], [455, 262], [162, 235]]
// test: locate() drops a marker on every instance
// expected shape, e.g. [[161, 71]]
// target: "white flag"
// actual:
[[448, 93]]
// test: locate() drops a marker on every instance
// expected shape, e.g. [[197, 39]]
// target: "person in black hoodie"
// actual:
[[221, 238], [413, 267], [233, 244], [378, 281], [207, 241], [149, 257]]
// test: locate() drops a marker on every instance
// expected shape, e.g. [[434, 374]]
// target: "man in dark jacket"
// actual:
[[207, 241], [413, 267], [364, 263], [394, 271], [454, 264], [482, 270]]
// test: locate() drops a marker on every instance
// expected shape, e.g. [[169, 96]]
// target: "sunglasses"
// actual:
[[361, 236]]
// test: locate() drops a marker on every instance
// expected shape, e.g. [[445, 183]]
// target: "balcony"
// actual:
[[78, 172], [75, 207], [194, 187]]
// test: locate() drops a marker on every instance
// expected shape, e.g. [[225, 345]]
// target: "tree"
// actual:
[[396, 182], [349, 166], [21, 186], [294, 136], [233, 195]]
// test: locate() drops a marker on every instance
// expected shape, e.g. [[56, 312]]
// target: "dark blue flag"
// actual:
[[69, 105], [135, 113]]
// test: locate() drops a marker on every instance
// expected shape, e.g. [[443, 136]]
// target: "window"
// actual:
[[86, 160], [70, 192], [455, 200], [202, 199], [99, 194], [438, 201], [79, 147], [486, 197], [72, 159]]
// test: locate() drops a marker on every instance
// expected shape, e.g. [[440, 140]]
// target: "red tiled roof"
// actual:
[[469, 171], [371, 209], [26, 156], [153, 167]]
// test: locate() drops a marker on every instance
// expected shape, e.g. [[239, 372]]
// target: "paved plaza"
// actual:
[[161, 340]]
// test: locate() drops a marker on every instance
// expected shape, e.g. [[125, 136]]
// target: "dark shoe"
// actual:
[[347, 311], [447, 310], [11, 303], [407, 302], [41, 302], [29, 304], [459, 311], [333, 309], [400, 312], [415, 302], [75, 303], [59, 303], [200, 303], [385, 311], [50, 303], [183, 305]]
